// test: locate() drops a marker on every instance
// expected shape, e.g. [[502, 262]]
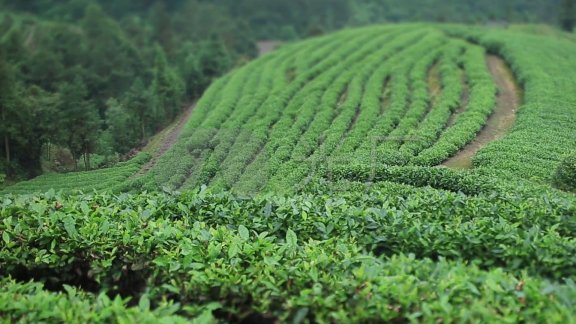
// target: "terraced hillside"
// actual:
[[402, 96], [393, 95]]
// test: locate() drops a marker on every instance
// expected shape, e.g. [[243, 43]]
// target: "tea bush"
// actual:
[[335, 209], [565, 177], [391, 252]]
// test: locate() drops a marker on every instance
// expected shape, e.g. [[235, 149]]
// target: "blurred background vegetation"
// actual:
[[85, 83]]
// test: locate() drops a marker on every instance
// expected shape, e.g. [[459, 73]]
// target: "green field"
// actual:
[[366, 97], [104, 179], [395, 173]]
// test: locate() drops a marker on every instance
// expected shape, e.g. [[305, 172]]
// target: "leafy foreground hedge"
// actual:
[[389, 253], [29, 302]]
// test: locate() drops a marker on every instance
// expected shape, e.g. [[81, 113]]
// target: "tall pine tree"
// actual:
[[167, 89], [79, 120]]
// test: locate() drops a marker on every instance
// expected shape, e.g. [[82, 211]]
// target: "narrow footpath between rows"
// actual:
[[502, 119], [168, 141]]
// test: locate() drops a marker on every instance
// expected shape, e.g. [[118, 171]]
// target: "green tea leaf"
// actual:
[[291, 238], [243, 232], [300, 315], [144, 303], [234, 249], [70, 227], [85, 209]]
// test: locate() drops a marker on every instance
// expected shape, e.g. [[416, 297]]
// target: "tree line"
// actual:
[[95, 85]]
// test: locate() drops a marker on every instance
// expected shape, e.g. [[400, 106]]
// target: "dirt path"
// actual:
[[502, 119], [434, 83], [267, 46], [167, 141]]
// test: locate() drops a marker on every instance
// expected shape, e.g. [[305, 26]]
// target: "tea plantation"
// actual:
[[314, 185]]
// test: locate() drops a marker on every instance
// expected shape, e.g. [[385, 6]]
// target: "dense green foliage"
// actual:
[[568, 15], [284, 19], [380, 253], [336, 211], [297, 114], [544, 131], [104, 179], [19, 303], [565, 177], [109, 74], [96, 85]]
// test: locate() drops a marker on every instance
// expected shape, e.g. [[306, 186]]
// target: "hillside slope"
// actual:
[[358, 124], [402, 96], [366, 96]]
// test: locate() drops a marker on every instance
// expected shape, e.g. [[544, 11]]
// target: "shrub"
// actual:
[[565, 177]]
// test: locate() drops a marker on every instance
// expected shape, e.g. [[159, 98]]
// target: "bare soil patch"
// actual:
[[502, 119], [267, 46], [434, 83], [168, 140]]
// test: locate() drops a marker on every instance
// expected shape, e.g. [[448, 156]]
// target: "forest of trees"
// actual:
[[93, 84], [98, 78]]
